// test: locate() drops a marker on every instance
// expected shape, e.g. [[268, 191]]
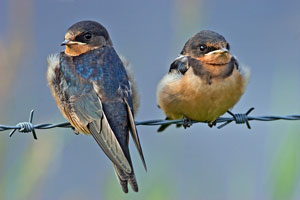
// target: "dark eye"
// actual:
[[202, 47], [87, 36], [228, 46]]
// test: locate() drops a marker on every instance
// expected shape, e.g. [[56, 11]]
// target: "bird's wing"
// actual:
[[134, 133], [88, 111], [115, 85], [83, 101], [180, 64]]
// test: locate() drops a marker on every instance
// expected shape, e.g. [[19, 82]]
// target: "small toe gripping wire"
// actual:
[[240, 118], [25, 127]]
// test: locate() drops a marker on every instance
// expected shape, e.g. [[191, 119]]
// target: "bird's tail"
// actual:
[[125, 178]]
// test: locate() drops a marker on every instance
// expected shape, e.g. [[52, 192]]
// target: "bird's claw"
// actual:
[[187, 122], [75, 130], [212, 124]]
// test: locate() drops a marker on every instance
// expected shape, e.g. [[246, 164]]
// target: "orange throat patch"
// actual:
[[76, 50]]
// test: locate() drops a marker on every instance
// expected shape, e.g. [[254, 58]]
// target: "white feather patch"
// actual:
[[180, 56], [244, 71], [53, 63], [168, 79]]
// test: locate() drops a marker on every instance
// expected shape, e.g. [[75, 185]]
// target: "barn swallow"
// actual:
[[93, 91], [203, 82]]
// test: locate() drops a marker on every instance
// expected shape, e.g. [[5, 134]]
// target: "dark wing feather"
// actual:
[[108, 142], [180, 65], [134, 134], [87, 110], [86, 107]]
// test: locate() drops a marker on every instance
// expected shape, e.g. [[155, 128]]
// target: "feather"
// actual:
[[134, 134]]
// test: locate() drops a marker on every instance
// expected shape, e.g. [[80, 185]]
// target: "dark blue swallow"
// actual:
[[92, 90]]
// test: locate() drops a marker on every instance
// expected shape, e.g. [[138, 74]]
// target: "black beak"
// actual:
[[64, 43]]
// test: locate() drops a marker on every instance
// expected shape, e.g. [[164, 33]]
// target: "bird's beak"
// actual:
[[218, 51], [69, 42], [65, 42], [219, 57]]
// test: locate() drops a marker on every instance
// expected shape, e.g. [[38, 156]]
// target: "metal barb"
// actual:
[[239, 118], [32, 127], [25, 127]]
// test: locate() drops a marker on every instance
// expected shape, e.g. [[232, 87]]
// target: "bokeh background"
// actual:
[[197, 163]]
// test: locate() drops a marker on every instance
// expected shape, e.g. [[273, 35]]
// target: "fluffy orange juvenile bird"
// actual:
[[203, 82]]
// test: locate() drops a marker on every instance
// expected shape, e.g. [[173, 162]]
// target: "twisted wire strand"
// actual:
[[239, 118]]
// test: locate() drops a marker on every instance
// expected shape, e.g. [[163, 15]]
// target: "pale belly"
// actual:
[[195, 99]]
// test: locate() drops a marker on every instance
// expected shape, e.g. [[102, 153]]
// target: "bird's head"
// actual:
[[209, 47], [84, 36]]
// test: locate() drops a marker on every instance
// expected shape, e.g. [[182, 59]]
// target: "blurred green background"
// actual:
[[197, 163]]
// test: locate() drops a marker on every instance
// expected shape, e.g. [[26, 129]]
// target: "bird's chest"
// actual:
[[196, 98], [205, 101]]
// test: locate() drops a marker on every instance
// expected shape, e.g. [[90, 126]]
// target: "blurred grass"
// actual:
[[285, 165]]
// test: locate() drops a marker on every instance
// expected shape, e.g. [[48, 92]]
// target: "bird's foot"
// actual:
[[212, 124], [187, 122], [75, 130]]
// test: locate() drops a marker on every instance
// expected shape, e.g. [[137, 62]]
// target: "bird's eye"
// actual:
[[202, 47], [228, 46], [87, 36]]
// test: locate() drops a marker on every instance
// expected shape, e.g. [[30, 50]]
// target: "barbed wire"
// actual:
[[240, 118]]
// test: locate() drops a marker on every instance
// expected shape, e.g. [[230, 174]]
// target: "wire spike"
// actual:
[[31, 116], [34, 134], [230, 113], [224, 124], [12, 132], [250, 110]]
